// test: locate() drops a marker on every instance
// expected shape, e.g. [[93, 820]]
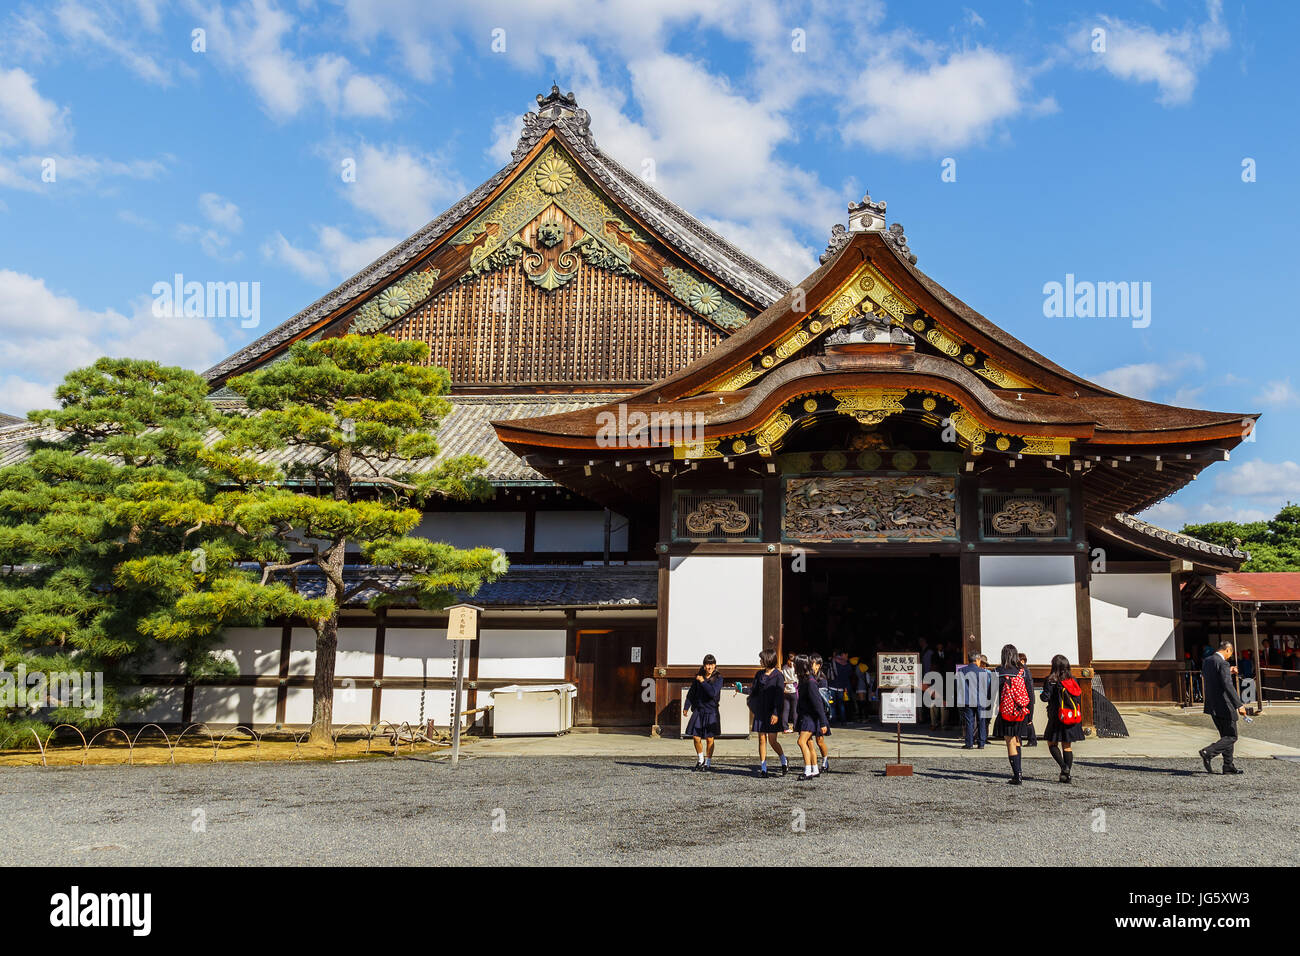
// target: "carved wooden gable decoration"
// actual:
[[562, 269]]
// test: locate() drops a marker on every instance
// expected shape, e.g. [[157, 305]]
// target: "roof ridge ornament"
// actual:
[[865, 216], [554, 109], [894, 236]]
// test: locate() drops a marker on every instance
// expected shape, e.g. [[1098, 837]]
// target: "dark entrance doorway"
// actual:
[[868, 604], [612, 665]]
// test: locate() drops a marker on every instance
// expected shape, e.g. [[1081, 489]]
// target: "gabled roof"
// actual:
[[1003, 384], [558, 120]]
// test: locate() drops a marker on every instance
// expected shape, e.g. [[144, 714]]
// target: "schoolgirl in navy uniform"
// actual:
[[1012, 731], [1060, 735], [702, 705], [766, 702], [810, 714], [824, 689]]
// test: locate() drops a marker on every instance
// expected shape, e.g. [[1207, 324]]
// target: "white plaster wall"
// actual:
[[255, 650], [398, 705], [1132, 617], [474, 529], [578, 531], [1028, 601], [235, 705], [168, 706], [715, 606], [516, 655], [418, 652]]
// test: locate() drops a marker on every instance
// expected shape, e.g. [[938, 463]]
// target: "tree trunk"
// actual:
[[327, 633], [322, 690]]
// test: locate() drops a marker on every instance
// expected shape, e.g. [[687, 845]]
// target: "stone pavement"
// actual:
[[1150, 735]]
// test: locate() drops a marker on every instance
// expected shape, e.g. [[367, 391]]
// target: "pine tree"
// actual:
[[108, 525], [354, 412]]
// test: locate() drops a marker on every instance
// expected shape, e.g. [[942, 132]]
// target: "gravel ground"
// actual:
[[1275, 725], [645, 811]]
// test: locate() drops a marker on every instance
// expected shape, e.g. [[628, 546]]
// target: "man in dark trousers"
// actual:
[[1223, 704]]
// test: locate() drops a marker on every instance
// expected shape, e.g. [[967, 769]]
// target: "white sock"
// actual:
[[699, 758], [816, 770], [807, 770]]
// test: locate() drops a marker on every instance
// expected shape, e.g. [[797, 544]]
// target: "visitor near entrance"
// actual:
[[1222, 704], [823, 688], [839, 680], [766, 702], [1014, 693], [702, 705], [974, 688], [811, 710], [791, 695], [1064, 699]]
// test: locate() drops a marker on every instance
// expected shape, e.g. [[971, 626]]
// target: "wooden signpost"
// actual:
[[899, 678], [462, 626]]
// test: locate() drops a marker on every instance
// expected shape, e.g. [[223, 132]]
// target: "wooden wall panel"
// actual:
[[600, 329]]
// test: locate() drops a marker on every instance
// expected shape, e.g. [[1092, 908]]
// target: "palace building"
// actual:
[[692, 456]]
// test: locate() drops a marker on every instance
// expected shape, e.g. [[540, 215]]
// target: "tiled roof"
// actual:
[[524, 586], [1178, 539], [465, 431]]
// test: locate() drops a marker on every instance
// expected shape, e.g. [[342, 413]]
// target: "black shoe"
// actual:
[[806, 776], [698, 767], [1205, 759], [1015, 780], [968, 747], [1233, 770], [980, 747], [762, 771], [1065, 777], [785, 768]]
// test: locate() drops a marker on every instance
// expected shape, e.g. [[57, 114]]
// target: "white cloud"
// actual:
[[1260, 479], [248, 40], [44, 335], [398, 187], [1145, 379], [220, 212], [1170, 514], [1137, 53], [26, 117], [335, 257], [943, 105], [1278, 393], [100, 25]]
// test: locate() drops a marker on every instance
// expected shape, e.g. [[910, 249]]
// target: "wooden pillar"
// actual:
[[1254, 636], [661, 618], [376, 693], [972, 638], [968, 521], [282, 689]]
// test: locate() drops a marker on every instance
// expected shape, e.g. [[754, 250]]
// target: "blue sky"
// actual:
[[1112, 156]]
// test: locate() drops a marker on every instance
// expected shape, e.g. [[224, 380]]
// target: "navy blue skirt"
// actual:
[[703, 725], [808, 724], [764, 725]]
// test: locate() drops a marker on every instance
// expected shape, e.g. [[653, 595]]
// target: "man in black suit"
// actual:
[[1223, 704]]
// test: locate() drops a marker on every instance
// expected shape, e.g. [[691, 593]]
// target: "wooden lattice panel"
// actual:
[[599, 329]]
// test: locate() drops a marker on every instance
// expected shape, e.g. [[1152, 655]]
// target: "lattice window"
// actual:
[[1040, 515], [717, 515]]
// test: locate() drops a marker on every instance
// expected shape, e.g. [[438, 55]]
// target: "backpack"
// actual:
[[1069, 709], [1013, 702]]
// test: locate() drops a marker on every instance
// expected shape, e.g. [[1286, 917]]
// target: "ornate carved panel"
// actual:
[[1025, 514], [717, 515], [871, 508]]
